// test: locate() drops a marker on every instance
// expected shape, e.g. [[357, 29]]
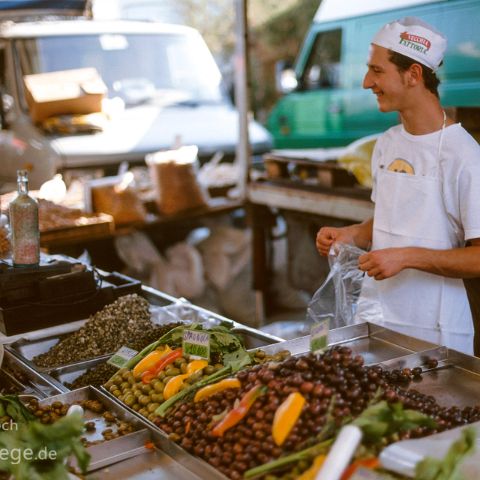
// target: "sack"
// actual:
[[174, 175], [117, 197], [337, 297]]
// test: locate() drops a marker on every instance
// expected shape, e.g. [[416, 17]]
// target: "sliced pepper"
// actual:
[[152, 372], [150, 360], [235, 415], [196, 365], [175, 383], [311, 473], [209, 390], [370, 463], [286, 416]]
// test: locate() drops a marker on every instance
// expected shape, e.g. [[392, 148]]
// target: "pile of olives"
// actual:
[[146, 398], [337, 374]]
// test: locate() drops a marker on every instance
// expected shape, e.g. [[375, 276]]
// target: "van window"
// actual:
[[323, 65]]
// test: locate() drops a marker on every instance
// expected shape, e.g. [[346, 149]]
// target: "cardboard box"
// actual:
[[65, 92]]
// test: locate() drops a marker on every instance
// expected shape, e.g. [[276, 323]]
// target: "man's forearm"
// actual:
[[362, 233], [454, 263]]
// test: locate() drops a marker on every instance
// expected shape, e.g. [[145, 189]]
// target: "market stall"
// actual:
[[253, 407]]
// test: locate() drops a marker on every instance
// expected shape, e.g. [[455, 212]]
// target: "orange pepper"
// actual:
[[149, 361], [371, 463], [152, 372], [311, 473], [235, 415], [286, 416], [175, 383], [209, 390]]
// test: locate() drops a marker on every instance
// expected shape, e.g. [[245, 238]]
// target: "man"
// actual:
[[426, 188]]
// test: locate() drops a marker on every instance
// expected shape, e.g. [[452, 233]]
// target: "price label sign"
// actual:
[[196, 344], [365, 474], [121, 357], [319, 336]]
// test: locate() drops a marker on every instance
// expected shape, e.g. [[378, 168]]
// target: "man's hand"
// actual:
[[384, 263], [327, 236]]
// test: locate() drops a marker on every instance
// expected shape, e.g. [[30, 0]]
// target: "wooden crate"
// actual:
[[96, 226]]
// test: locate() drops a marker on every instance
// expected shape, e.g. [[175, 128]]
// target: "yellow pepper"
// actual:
[[209, 390], [196, 365], [286, 416], [174, 385], [150, 360], [311, 473]]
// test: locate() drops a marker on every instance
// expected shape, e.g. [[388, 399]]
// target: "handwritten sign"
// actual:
[[121, 357], [196, 344], [319, 336]]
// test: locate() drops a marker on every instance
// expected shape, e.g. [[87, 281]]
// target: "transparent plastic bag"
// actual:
[[337, 297]]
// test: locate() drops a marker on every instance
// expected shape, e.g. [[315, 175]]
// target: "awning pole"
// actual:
[[241, 93]]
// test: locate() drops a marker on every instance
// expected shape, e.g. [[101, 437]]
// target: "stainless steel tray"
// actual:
[[109, 451], [66, 375], [196, 467], [26, 380], [455, 381], [376, 344], [154, 465]]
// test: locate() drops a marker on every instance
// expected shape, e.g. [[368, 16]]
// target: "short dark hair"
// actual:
[[403, 63]]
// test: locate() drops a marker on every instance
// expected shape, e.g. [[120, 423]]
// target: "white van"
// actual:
[[165, 75]]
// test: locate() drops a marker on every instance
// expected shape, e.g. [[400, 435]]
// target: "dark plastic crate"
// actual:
[[66, 308]]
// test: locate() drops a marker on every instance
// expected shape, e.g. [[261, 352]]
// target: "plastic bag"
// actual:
[[337, 297], [358, 158]]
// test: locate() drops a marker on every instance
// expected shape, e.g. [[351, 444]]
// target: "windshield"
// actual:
[[169, 68]]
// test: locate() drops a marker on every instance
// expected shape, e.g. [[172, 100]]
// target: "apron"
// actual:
[[410, 211]]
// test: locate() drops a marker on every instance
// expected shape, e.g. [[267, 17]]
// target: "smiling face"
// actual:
[[385, 81]]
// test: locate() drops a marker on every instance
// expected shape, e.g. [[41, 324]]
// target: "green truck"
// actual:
[[328, 106]]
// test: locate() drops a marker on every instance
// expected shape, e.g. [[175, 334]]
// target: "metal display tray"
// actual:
[[376, 344], [25, 380], [41, 341], [455, 381], [109, 451]]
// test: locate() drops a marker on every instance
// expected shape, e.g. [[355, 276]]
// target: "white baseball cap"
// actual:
[[415, 39]]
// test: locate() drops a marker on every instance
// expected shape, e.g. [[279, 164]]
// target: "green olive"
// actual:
[[152, 416], [178, 362], [161, 375], [124, 386], [126, 374], [209, 370], [146, 389], [152, 407], [144, 400], [113, 388], [117, 379], [159, 386], [116, 393], [108, 385], [195, 377], [172, 371], [157, 397], [143, 411], [136, 407]]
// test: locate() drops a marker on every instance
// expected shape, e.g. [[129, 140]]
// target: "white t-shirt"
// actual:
[[398, 150]]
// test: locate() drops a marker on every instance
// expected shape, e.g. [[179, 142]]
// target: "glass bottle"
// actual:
[[24, 229], [4, 236]]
